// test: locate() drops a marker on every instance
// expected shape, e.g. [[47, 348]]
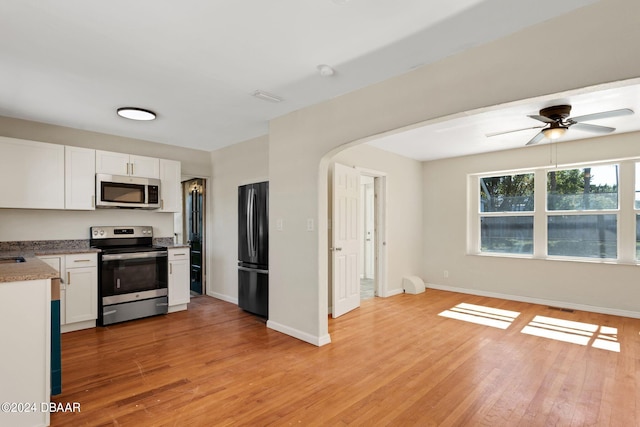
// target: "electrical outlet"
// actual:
[[310, 224], [279, 224], [446, 274]]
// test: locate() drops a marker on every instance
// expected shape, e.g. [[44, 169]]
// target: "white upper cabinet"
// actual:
[[31, 174], [124, 164], [171, 200], [147, 167], [80, 176]]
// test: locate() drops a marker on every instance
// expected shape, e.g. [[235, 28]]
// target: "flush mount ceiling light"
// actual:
[[266, 96], [325, 70], [134, 113]]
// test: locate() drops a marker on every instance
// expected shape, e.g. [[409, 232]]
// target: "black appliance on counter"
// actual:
[[253, 248], [132, 274]]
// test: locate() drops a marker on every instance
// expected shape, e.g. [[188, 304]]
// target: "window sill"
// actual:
[[607, 261]]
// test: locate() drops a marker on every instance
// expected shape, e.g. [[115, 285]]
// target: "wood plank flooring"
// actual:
[[394, 361]]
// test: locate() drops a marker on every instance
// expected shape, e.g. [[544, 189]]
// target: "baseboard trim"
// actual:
[[540, 301], [77, 326], [223, 297], [394, 292], [318, 341]]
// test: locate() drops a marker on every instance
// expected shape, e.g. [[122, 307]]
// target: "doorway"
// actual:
[[367, 251], [194, 199], [357, 241]]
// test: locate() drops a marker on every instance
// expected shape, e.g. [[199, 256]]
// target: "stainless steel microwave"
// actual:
[[116, 191]]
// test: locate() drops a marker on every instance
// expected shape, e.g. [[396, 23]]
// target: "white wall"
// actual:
[[404, 208], [36, 224], [232, 166], [594, 285], [508, 69]]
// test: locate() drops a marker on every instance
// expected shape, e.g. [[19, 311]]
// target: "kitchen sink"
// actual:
[[12, 260]]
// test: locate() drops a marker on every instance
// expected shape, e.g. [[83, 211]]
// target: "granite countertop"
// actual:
[[35, 269], [31, 269]]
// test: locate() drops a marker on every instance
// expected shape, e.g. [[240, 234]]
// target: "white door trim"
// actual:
[[380, 194]]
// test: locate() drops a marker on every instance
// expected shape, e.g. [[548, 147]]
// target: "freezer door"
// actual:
[[253, 290]]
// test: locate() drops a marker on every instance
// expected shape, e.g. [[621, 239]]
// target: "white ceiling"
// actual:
[[466, 133], [196, 63]]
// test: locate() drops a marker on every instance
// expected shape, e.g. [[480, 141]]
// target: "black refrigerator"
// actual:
[[253, 248]]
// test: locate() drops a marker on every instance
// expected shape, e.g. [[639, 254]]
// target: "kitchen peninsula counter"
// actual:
[[31, 269]]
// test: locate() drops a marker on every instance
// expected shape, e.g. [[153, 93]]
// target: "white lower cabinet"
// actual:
[[78, 289], [179, 289]]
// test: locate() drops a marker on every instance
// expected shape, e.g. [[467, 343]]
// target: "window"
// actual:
[[582, 212], [592, 236], [573, 233], [503, 227]]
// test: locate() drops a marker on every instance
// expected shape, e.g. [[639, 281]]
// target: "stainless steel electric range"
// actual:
[[132, 273]]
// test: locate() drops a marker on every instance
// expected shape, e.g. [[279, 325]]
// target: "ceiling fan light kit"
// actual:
[[557, 122], [554, 132]]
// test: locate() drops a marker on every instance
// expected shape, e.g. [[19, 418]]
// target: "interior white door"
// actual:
[[345, 239]]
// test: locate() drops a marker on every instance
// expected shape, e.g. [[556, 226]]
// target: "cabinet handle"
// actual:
[[68, 278], [81, 260], [132, 173], [170, 268], [182, 254], [127, 168]]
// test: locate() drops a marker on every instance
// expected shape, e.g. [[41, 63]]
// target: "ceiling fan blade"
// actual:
[[602, 115], [542, 118], [592, 128], [489, 135], [539, 137]]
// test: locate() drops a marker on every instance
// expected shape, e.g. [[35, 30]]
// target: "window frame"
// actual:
[[581, 212], [626, 213]]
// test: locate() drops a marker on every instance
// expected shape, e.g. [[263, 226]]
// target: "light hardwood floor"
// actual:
[[394, 361]]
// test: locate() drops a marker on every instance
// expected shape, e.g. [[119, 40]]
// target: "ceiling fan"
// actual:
[[557, 121]]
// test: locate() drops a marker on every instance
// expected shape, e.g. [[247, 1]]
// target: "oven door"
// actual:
[[141, 274]]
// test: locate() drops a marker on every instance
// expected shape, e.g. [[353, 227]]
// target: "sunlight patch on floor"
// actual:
[[481, 315], [604, 337]]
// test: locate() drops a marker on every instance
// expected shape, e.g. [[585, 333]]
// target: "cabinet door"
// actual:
[[80, 178], [145, 167], [171, 200], [179, 292], [112, 163], [81, 294], [31, 174]]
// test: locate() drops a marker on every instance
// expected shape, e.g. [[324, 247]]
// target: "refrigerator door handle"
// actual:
[[254, 224], [249, 222], [253, 270]]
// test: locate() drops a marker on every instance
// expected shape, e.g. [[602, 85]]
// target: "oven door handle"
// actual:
[[135, 255]]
